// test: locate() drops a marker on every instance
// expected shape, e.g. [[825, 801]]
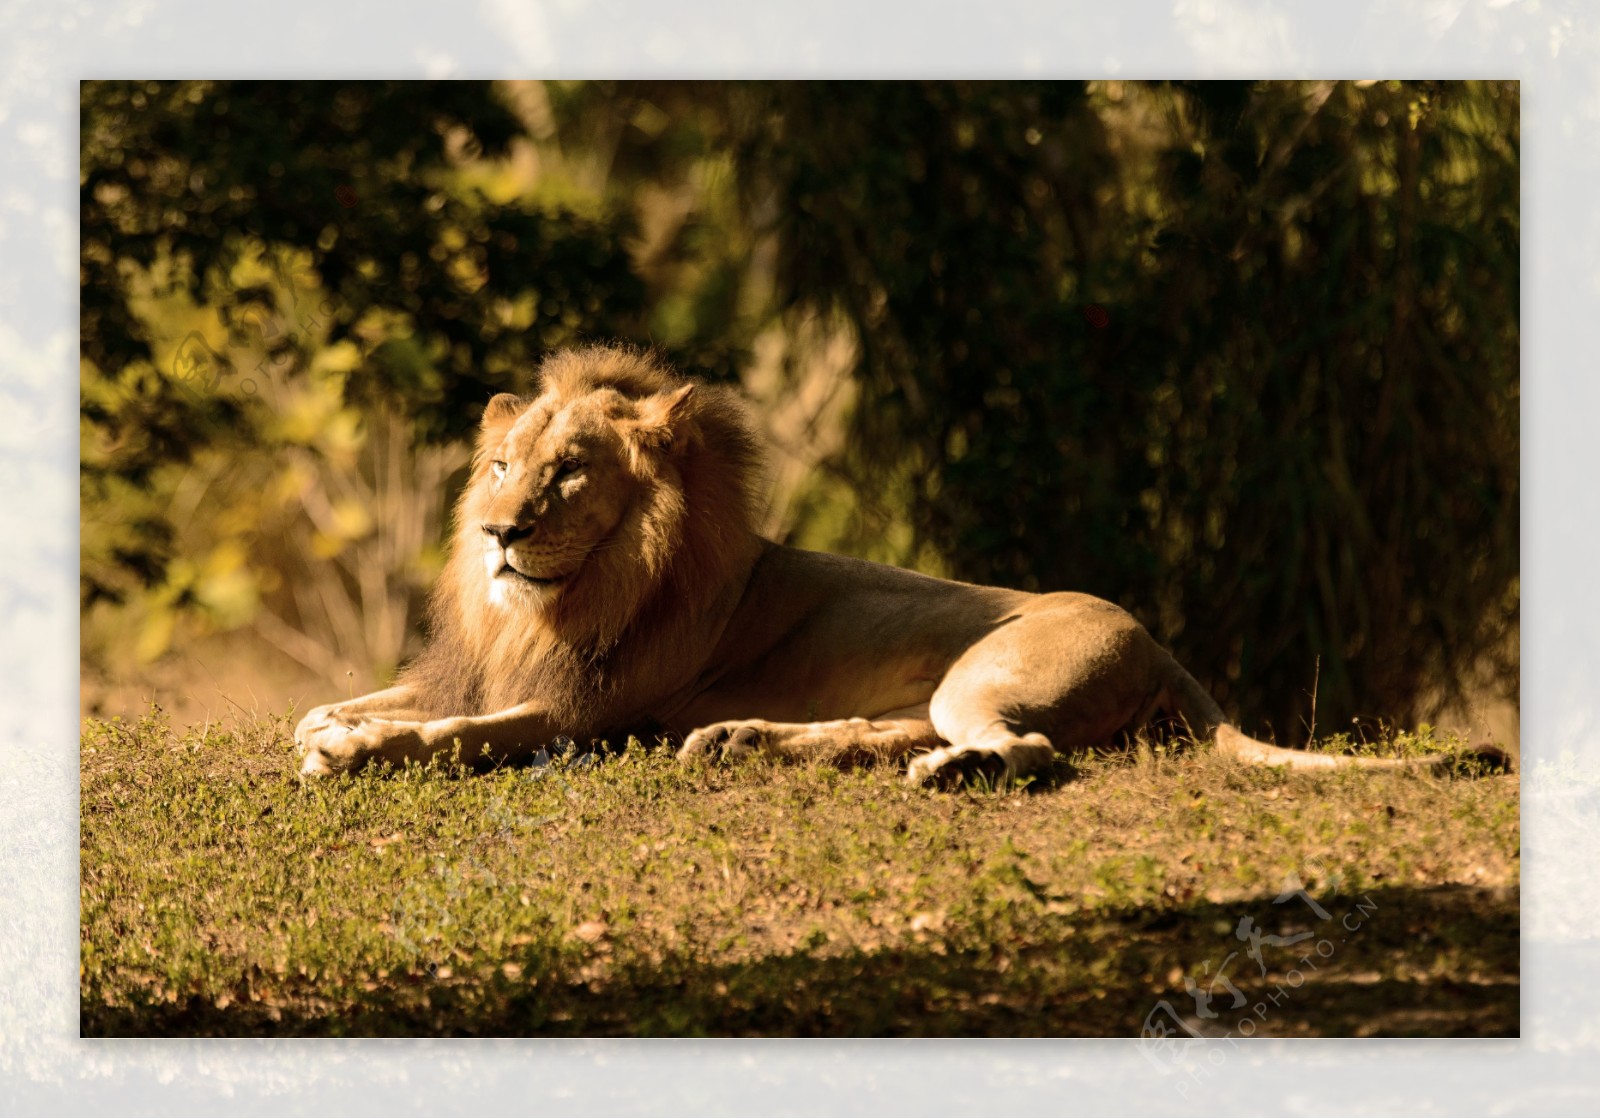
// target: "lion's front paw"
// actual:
[[320, 741], [332, 747], [327, 747], [723, 742], [318, 721]]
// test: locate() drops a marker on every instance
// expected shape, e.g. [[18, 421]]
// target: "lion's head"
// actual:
[[567, 475], [616, 499]]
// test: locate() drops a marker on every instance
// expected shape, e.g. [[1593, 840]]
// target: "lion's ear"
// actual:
[[664, 420], [502, 406]]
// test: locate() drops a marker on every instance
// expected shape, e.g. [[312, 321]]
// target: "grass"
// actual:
[[220, 896]]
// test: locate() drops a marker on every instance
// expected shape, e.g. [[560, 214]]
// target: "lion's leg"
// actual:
[[335, 747], [1068, 673], [886, 737]]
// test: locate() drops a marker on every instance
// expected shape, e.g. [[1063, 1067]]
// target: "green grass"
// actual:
[[637, 896]]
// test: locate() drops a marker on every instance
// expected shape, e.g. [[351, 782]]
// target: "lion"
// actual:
[[606, 578]]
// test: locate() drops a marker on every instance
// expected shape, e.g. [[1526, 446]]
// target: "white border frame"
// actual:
[[1553, 47]]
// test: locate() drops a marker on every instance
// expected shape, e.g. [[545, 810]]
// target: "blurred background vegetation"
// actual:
[[1242, 357]]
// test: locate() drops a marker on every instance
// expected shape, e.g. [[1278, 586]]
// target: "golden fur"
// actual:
[[605, 578]]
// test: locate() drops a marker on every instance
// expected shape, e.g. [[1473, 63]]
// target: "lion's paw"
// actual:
[[320, 721], [327, 748], [343, 746], [950, 767], [723, 742]]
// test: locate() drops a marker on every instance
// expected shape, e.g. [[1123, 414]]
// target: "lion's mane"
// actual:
[[621, 634]]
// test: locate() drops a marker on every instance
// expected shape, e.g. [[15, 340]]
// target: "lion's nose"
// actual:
[[502, 533]]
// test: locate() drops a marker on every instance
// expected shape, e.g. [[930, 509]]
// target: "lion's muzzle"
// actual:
[[517, 570]]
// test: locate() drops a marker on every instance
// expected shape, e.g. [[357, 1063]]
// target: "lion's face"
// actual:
[[556, 490]]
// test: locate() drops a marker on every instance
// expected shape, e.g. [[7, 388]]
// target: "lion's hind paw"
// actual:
[[952, 767]]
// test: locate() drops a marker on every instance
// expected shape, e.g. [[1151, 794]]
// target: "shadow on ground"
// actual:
[[1096, 973]]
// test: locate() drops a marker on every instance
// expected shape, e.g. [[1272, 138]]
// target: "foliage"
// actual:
[[640, 896]]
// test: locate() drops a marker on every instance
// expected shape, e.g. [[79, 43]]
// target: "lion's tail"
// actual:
[[1192, 703]]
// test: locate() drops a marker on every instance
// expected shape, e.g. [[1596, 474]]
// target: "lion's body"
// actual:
[[821, 638], [605, 579]]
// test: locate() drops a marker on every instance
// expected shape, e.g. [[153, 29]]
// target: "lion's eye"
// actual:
[[568, 466], [499, 468]]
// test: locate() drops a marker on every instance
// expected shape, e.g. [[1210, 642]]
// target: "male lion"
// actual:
[[605, 578]]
